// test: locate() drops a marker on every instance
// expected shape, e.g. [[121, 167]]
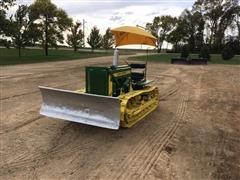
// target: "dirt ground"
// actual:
[[193, 134]]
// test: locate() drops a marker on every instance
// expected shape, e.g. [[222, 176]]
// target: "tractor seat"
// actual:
[[138, 66], [137, 76]]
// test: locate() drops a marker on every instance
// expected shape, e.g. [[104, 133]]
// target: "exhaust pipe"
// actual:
[[115, 57]]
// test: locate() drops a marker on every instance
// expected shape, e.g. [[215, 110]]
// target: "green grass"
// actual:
[[166, 58], [10, 56], [217, 59]]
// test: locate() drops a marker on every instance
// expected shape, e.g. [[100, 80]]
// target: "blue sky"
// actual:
[[114, 13]]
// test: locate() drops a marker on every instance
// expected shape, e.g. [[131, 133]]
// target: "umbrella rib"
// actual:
[[122, 37]]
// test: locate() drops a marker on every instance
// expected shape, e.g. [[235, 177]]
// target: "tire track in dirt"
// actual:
[[170, 90], [37, 91], [18, 95], [219, 149], [26, 159], [143, 148], [140, 149], [20, 125], [181, 112], [18, 75], [166, 93], [160, 143], [218, 157], [52, 72], [143, 144], [49, 70], [59, 146]]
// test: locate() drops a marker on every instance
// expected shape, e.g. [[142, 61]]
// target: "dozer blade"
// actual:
[[96, 110]]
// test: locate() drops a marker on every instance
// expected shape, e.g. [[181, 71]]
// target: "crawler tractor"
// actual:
[[114, 96]]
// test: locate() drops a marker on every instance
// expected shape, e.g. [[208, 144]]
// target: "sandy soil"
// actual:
[[194, 133]]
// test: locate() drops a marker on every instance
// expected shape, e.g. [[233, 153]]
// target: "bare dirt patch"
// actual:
[[194, 133]]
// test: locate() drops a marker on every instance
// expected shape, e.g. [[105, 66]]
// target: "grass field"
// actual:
[[10, 56], [166, 58]]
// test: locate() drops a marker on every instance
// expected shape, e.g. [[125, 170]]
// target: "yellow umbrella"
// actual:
[[126, 35]]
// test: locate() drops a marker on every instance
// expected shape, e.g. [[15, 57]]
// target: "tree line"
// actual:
[[205, 24], [43, 23]]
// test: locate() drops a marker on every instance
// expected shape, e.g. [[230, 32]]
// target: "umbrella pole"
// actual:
[[146, 65], [115, 57]]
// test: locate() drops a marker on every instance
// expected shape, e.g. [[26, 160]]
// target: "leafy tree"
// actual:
[[219, 15], [94, 39], [107, 40], [179, 34], [234, 43], [6, 43], [193, 25], [5, 4], [51, 21], [75, 39], [204, 52], [34, 33], [189, 29], [161, 27], [185, 52], [227, 52], [19, 28], [4, 22], [237, 24]]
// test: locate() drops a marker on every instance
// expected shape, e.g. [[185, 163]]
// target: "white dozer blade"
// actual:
[[96, 110]]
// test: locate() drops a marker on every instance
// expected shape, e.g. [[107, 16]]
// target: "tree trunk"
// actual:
[[210, 41], [238, 26], [176, 46], [46, 37], [19, 51], [75, 49], [212, 32], [19, 44], [160, 47], [46, 48]]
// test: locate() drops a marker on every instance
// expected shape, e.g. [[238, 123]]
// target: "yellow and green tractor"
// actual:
[[114, 96]]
